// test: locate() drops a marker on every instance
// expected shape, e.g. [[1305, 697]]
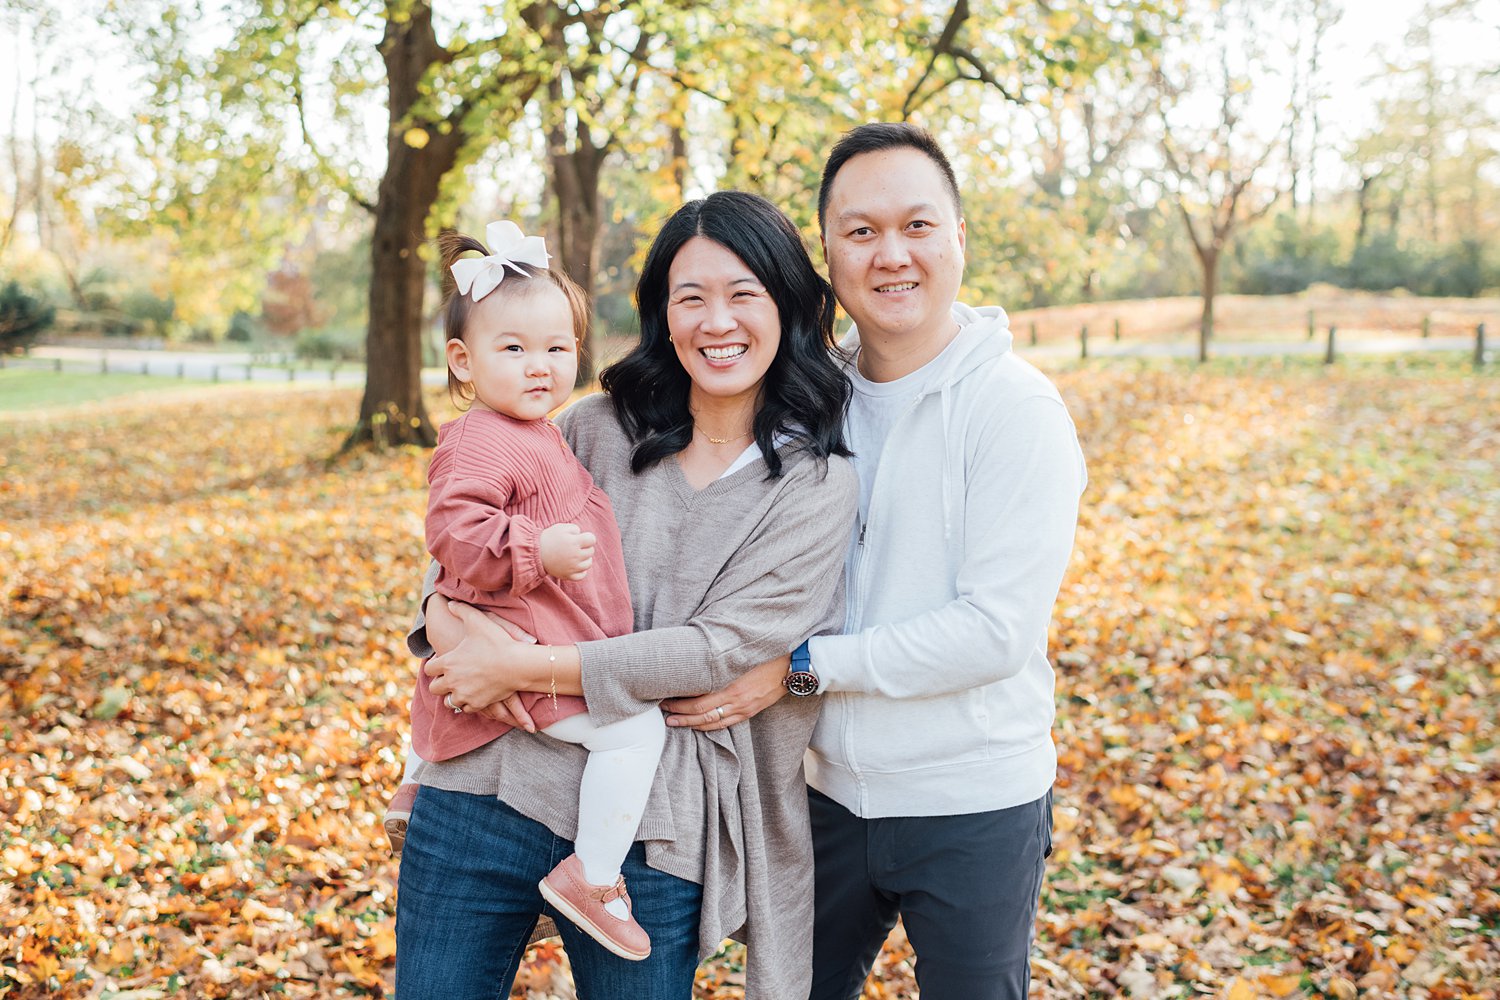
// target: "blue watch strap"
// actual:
[[801, 659]]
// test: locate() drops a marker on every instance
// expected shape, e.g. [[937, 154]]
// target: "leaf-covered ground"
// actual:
[[1277, 657]]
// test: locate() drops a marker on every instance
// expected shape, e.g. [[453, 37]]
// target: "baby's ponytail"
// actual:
[[452, 245]]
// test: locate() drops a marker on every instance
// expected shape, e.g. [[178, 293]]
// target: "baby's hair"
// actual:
[[452, 245]]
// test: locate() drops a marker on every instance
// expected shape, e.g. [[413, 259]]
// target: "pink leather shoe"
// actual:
[[397, 815], [583, 903]]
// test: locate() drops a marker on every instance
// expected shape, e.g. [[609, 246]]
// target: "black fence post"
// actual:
[[1328, 356], [1033, 333], [1311, 329], [57, 365], [1426, 327], [1479, 346], [1083, 341], [1117, 329]]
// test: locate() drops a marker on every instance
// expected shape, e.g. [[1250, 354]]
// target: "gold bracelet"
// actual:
[[552, 667]]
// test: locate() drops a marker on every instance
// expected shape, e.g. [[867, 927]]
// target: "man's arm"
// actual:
[[1021, 510]]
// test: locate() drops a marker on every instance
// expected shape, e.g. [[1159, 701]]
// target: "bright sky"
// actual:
[[1355, 47]]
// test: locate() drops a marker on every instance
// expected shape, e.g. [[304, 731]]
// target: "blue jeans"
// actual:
[[467, 900]]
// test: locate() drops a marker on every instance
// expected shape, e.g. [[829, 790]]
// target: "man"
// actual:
[[932, 765]]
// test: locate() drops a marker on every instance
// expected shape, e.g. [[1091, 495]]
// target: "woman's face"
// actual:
[[724, 324]]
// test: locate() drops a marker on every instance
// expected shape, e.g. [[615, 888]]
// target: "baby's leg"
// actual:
[[412, 760], [398, 812], [616, 782]]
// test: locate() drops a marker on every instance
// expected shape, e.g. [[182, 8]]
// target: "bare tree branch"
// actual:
[[956, 18], [307, 140]]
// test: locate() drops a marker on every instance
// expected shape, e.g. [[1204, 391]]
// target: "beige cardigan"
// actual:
[[721, 579]]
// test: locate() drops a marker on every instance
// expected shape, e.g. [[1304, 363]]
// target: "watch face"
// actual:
[[802, 683]]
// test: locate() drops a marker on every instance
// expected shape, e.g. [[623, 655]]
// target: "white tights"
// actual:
[[616, 781]]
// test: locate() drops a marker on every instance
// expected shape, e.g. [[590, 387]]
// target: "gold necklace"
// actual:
[[714, 440]]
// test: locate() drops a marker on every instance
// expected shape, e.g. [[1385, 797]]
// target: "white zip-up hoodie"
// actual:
[[938, 699]]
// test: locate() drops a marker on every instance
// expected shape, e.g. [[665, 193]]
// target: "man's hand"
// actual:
[[567, 551], [744, 697]]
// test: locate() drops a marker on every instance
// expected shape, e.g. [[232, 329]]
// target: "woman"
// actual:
[[719, 440]]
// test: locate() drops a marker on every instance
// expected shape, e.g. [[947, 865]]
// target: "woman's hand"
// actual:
[[511, 712], [472, 675], [747, 695]]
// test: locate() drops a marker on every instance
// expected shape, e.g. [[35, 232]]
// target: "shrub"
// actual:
[[1382, 264], [243, 328], [22, 317], [146, 312], [331, 344], [1286, 260]]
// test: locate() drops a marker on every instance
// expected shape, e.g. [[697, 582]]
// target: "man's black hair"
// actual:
[[877, 136]]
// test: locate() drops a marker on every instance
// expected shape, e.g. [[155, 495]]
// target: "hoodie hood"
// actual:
[[983, 334]]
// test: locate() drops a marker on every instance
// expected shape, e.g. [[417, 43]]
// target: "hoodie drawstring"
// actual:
[[947, 462]]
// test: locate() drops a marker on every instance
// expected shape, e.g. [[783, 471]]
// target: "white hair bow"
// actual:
[[508, 248]]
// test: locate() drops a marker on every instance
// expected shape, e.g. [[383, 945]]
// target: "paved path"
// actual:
[[221, 366], [242, 366], [1107, 347]]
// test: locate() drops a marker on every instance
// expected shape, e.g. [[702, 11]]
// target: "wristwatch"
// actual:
[[800, 681]]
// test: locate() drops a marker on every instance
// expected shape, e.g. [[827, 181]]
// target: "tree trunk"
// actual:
[[1362, 200], [392, 411], [575, 186], [680, 162], [1209, 259]]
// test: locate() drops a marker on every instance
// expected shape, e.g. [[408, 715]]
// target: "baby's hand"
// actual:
[[567, 552]]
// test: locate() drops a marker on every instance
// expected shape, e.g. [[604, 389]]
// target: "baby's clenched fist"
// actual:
[[567, 551]]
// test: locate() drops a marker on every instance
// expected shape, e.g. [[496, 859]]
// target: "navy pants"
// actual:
[[965, 887], [467, 900]]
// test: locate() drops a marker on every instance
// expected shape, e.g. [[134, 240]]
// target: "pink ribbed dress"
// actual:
[[495, 483]]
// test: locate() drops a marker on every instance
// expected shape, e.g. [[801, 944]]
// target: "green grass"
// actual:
[[34, 389]]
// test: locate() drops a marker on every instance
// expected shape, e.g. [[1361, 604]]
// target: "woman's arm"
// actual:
[[488, 665], [782, 585]]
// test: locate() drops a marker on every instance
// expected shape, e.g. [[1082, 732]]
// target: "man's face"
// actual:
[[895, 247]]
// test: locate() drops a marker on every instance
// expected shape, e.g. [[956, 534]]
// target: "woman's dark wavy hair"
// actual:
[[805, 394]]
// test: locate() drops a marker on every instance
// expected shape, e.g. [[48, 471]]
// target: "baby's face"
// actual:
[[518, 351]]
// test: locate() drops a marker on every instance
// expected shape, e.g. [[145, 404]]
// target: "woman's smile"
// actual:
[[725, 355]]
